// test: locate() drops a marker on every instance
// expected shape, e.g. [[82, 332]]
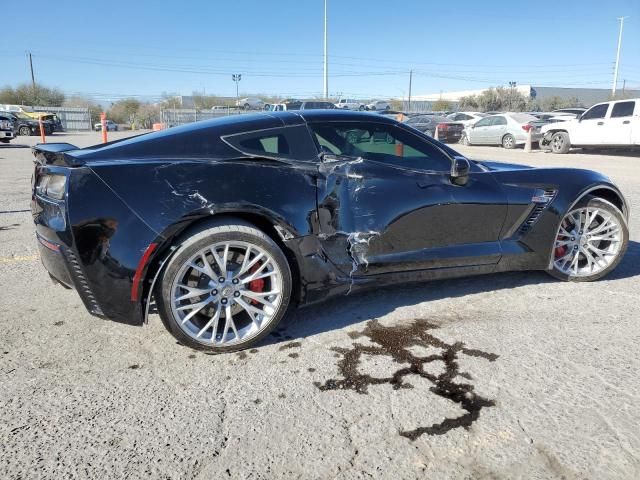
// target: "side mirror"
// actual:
[[460, 170]]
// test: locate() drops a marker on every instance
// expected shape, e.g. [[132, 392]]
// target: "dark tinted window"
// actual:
[[275, 144], [599, 111], [380, 142], [623, 109]]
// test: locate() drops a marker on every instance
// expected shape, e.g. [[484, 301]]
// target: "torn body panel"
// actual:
[[375, 218]]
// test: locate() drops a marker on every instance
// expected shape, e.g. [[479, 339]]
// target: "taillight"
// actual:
[[527, 127], [52, 186], [442, 126]]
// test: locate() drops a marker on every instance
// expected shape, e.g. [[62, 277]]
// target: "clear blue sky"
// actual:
[[112, 48]]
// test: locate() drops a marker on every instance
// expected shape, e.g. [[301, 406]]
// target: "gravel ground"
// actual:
[[544, 380]]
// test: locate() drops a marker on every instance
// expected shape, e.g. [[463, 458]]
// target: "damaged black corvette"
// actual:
[[224, 224]]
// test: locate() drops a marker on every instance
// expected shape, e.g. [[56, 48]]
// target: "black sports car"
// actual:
[[225, 223]]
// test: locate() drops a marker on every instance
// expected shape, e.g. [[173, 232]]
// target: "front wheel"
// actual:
[[508, 141], [24, 131], [591, 241], [560, 142], [225, 289]]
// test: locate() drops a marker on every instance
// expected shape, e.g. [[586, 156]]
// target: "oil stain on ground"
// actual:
[[396, 342]]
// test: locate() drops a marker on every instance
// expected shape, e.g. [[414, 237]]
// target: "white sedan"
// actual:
[[379, 105]]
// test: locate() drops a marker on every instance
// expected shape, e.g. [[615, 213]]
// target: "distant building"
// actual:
[[586, 96]]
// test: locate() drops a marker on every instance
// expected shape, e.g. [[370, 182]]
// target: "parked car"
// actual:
[[378, 106], [575, 111], [110, 124], [302, 105], [350, 104], [6, 128], [250, 103], [448, 130], [224, 249], [609, 124], [508, 130], [51, 118], [466, 118], [24, 125]]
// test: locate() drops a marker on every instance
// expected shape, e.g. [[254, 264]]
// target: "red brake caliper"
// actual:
[[256, 285], [560, 251]]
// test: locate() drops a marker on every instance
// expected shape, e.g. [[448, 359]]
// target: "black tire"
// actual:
[[362, 107], [591, 201], [229, 229], [508, 142], [560, 142], [247, 106], [387, 107], [24, 131]]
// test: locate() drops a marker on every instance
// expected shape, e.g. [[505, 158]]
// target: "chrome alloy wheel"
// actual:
[[588, 241], [226, 293]]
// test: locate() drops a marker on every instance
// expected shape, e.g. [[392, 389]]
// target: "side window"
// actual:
[[289, 142], [599, 111], [485, 122], [499, 121], [463, 116], [275, 144], [380, 142], [623, 109]]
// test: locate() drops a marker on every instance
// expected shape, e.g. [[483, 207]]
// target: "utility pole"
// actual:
[[33, 78], [409, 102], [326, 65], [615, 70]]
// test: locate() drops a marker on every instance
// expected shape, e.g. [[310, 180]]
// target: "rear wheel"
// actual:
[[225, 289], [591, 241], [560, 142], [24, 131], [508, 141]]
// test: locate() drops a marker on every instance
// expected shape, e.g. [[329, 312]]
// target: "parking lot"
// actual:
[[543, 378]]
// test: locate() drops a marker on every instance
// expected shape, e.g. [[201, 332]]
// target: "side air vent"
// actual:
[[81, 283], [541, 199]]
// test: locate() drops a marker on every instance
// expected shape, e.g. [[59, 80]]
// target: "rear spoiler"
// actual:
[[56, 154]]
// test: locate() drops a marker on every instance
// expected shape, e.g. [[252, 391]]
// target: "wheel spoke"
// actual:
[[229, 323], [214, 322], [251, 310], [221, 262], [193, 292], [196, 308], [247, 266], [259, 297], [255, 274], [205, 269]]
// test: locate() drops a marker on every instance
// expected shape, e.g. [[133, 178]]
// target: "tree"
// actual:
[[124, 111], [441, 106], [497, 99], [25, 94]]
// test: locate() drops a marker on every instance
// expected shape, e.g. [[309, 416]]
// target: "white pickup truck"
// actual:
[[608, 124]]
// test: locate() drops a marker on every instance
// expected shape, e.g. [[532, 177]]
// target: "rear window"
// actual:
[[523, 117], [623, 109]]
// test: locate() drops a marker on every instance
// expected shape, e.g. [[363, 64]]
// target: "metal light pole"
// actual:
[[236, 77], [512, 85], [326, 65], [409, 102], [615, 70]]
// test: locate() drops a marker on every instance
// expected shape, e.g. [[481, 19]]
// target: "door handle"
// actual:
[[600, 123], [626, 122]]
